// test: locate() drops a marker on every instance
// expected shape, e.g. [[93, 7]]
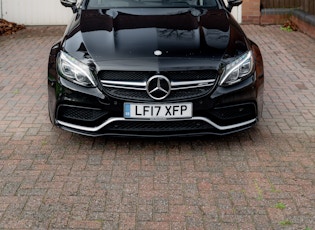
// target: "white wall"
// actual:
[[49, 12], [0, 8], [35, 12], [236, 12]]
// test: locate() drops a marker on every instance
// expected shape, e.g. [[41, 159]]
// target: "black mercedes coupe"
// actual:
[[154, 68]]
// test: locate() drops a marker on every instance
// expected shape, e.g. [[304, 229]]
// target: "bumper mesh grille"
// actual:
[[80, 114], [158, 126]]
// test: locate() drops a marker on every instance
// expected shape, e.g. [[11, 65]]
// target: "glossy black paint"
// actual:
[[124, 39], [193, 36]]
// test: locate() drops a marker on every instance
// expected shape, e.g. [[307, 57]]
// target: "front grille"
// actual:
[[124, 75], [131, 85], [171, 75], [135, 95]]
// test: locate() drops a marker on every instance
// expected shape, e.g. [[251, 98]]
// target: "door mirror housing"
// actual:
[[70, 3], [232, 3]]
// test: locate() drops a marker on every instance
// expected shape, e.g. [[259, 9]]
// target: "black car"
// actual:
[[154, 68]]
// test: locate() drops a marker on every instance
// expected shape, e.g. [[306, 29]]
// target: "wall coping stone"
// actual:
[[308, 18], [281, 11], [304, 16]]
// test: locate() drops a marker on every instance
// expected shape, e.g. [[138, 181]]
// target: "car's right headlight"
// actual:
[[238, 70], [74, 70]]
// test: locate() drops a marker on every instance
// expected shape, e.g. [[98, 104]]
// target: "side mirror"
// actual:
[[70, 3], [232, 3]]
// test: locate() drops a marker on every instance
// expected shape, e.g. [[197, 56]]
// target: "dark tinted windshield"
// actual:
[[96, 4]]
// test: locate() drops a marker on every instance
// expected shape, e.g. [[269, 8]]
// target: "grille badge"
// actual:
[[158, 87]]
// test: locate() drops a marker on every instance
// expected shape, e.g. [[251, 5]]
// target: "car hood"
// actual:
[[155, 39]]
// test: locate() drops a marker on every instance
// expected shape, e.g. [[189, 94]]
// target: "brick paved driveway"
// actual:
[[263, 178]]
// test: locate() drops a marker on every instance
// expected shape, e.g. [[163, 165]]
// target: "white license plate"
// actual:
[[158, 111]]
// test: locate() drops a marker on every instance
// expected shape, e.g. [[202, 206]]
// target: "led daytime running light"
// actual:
[[235, 68], [75, 71]]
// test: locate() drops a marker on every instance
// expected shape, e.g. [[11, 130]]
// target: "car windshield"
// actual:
[[97, 4]]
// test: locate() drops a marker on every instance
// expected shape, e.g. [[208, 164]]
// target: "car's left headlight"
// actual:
[[74, 70], [237, 70]]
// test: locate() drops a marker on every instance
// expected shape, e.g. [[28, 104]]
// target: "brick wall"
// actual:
[[303, 26], [252, 15], [251, 12], [275, 16]]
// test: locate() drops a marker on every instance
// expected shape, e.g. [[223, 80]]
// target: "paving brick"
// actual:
[[51, 178]]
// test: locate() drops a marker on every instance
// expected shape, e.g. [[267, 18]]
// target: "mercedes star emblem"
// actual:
[[158, 87]]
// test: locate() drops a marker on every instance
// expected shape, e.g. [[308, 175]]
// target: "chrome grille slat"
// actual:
[[124, 85], [191, 84], [142, 85]]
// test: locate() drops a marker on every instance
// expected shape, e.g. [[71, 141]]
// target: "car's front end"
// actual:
[[154, 71]]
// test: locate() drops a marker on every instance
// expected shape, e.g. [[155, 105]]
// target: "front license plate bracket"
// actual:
[[158, 111]]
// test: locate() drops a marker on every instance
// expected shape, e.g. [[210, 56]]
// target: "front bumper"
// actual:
[[92, 113], [136, 127]]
